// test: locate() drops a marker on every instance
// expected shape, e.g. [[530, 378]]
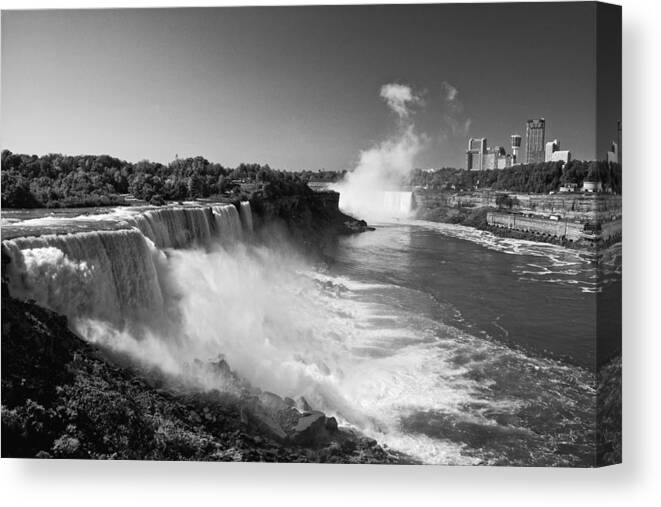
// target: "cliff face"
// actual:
[[574, 206], [312, 221], [529, 216]]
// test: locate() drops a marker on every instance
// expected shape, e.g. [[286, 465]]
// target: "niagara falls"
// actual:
[[341, 320], [336, 235], [394, 337]]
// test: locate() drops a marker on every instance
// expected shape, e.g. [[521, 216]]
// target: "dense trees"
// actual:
[[534, 178], [56, 180], [323, 175]]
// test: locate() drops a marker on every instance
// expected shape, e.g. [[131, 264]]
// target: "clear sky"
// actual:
[[297, 88]]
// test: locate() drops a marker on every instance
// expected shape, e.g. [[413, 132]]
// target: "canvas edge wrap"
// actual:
[[608, 97]]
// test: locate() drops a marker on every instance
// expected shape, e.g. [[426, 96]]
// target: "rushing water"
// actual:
[[375, 204], [438, 340], [472, 326]]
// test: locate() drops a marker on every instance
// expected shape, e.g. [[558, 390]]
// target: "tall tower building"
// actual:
[[475, 154], [516, 145], [535, 131], [613, 154]]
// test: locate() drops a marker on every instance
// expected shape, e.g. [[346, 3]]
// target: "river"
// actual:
[[443, 342]]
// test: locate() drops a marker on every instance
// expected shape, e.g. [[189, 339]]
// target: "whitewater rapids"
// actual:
[[170, 286]]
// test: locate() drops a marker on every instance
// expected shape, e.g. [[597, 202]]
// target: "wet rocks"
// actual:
[[277, 418], [331, 424], [273, 402], [254, 414], [302, 404], [356, 226], [311, 429], [63, 398]]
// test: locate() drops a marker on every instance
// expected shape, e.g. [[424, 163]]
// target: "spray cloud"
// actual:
[[373, 189]]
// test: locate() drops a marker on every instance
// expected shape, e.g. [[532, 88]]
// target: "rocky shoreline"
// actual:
[[476, 218], [64, 398]]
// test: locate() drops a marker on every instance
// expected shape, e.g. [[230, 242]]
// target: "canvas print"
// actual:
[[384, 234]]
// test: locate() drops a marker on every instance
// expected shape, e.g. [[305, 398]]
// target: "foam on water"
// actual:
[[360, 350], [561, 265]]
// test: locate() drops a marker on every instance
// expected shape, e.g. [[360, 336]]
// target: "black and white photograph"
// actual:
[[347, 234]]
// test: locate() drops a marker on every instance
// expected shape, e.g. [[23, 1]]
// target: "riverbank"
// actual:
[[64, 398], [477, 217]]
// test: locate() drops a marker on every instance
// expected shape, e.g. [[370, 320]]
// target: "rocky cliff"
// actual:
[[312, 220]]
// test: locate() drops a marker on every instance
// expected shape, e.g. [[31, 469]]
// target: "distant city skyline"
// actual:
[[296, 87]]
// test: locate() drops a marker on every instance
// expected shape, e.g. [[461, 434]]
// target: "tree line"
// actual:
[[542, 177], [56, 180]]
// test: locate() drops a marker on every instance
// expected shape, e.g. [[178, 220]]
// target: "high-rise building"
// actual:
[[479, 157], [516, 145], [477, 148], [535, 130], [550, 148]]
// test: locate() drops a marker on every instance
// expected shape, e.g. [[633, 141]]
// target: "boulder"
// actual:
[[255, 414], [290, 402], [272, 402], [311, 429], [269, 425], [331, 424], [302, 404]]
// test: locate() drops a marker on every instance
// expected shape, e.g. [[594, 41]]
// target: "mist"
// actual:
[[375, 188]]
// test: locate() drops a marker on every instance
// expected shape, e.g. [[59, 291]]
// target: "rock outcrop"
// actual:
[[313, 221]]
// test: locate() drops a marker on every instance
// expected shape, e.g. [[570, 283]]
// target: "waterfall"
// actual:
[[133, 280], [398, 203], [105, 275], [380, 205], [227, 222], [246, 216], [112, 275], [175, 227]]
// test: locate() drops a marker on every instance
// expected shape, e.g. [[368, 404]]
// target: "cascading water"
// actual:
[[246, 216], [376, 205], [227, 221], [175, 227], [106, 275], [112, 275], [364, 348], [399, 203]]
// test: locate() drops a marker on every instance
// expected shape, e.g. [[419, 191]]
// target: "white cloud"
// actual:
[[449, 92], [399, 97]]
